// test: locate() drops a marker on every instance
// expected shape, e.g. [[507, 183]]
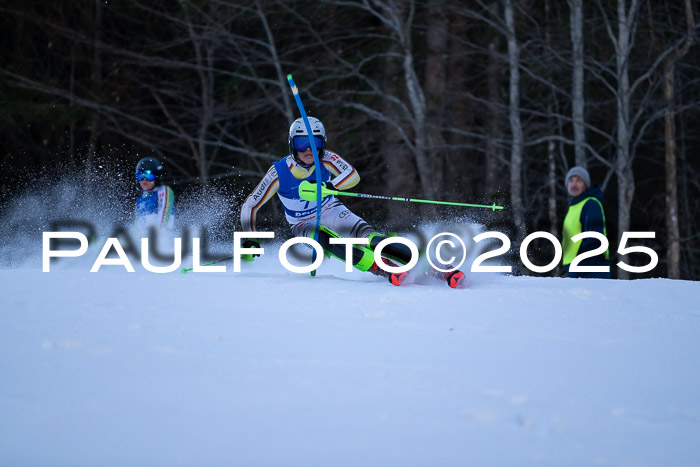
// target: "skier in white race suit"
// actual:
[[284, 178]]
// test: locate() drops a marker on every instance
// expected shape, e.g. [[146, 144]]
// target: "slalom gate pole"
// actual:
[[186, 270], [317, 163], [308, 192]]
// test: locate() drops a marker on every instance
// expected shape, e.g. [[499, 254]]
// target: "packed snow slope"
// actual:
[[266, 368], [269, 368]]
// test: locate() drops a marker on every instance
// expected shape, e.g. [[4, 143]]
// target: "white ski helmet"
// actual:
[[299, 129]]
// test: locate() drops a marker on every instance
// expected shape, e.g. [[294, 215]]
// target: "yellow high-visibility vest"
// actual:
[[573, 227]]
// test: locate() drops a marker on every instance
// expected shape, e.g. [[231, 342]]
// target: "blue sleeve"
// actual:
[[591, 220]]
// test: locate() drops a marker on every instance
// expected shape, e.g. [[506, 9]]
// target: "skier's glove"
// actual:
[[328, 185], [250, 243]]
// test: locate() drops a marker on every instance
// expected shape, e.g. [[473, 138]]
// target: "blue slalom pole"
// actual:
[[317, 162]]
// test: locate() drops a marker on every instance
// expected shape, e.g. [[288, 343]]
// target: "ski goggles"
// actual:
[[300, 143], [145, 175]]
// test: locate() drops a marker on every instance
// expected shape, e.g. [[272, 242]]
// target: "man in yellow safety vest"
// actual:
[[585, 214]]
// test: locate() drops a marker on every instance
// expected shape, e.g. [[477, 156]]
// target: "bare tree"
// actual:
[[494, 148], [577, 101], [633, 117], [673, 250], [437, 41], [397, 17], [516, 150], [623, 41], [416, 94]]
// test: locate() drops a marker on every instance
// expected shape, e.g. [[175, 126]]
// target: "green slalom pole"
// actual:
[[307, 191]]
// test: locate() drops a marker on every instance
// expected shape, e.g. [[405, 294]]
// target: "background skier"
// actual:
[[155, 207]]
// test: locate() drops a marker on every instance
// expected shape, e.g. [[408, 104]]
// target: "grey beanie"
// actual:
[[581, 172]]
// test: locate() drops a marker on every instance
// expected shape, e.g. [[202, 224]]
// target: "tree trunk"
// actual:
[[416, 98], [208, 102], [552, 182], [400, 171], [493, 147], [96, 78], [435, 84], [289, 112], [398, 17], [516, 153], [198, 44], [623, 165], [673, 249], [687, 202], [460, 162], [578, 101]]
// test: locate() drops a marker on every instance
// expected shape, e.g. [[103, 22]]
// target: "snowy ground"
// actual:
[[269, 368]]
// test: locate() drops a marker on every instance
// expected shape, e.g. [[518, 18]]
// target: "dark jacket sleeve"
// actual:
[[591, 220]]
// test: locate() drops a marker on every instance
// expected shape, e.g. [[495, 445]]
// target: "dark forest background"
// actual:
[[475, 101]]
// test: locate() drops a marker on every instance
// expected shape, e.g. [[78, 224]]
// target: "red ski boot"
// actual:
[[456, 279], [396, 278]]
